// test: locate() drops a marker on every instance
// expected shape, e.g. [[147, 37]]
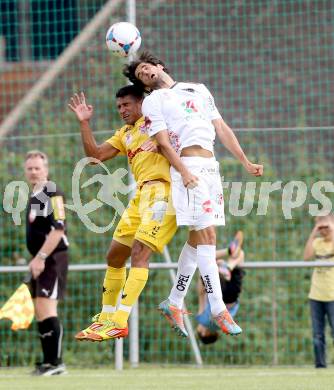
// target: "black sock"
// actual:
[[51, 334]]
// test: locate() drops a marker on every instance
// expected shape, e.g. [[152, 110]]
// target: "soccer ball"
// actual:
[[123, 39]]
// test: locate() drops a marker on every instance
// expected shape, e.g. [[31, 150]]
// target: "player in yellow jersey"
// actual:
[[147, 224]]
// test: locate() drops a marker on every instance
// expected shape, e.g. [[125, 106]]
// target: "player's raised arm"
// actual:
[[230, 141], [309, 250], [84, 113]]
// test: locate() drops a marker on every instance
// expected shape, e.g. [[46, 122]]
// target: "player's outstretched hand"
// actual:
[[254, 169], [78, 105]]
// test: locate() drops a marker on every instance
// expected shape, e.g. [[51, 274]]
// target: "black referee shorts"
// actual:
[[51, 283]]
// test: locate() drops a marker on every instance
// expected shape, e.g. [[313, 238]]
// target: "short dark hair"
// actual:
[[211, 338], [130, 90], [145, 57]]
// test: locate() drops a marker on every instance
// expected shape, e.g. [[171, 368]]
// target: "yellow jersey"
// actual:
[[144, 165], [322, 284]]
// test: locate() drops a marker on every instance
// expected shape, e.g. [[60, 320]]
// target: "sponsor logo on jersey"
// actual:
[[207, 207], [133, 153], [189, 106], [128, 139]]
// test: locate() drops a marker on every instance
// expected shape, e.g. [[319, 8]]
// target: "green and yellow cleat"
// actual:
[[108, 331], [98, 322]]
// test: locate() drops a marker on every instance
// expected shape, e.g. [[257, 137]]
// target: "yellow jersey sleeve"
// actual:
[[116, 142]]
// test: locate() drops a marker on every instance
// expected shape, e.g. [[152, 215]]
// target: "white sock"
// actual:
[[108, 309], [206, 260], [187, 265]]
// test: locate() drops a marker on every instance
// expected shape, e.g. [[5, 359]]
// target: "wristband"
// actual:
[[42, 255]]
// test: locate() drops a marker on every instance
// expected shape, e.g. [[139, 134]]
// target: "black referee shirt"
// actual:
[[45, 212]]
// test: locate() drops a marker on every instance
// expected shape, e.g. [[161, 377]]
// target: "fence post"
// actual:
[[274, 306]]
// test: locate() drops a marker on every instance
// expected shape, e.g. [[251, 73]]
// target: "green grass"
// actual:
[[189, 378]]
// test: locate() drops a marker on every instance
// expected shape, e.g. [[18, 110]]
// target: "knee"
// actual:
[[115, 258], [318, 339], [110, 258], [139, 258]]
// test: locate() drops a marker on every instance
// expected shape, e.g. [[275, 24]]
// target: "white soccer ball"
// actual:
[[123, 39]]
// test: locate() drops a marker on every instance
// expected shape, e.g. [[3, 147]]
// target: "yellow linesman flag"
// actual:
[[19, 308]]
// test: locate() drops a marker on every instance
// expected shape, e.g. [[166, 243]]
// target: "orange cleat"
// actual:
[[225, 322], [174, 316]]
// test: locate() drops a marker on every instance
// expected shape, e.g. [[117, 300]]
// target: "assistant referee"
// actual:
[[47, 243]]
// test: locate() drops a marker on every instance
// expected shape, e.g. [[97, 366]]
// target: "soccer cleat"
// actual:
[[236, 244], [174, 316], [109, 330], [46, 369], [97, 324], [226, 323]]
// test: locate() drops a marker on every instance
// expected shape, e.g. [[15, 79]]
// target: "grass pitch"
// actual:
[[153, 377]]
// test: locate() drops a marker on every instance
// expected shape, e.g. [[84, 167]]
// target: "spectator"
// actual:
[[320, 246]]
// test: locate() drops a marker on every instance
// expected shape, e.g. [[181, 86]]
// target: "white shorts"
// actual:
[[202, 206]]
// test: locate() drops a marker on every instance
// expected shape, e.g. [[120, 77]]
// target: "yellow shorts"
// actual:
[[149, 217]]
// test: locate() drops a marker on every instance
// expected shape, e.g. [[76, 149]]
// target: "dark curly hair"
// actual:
[[209, 339], [146, 57]]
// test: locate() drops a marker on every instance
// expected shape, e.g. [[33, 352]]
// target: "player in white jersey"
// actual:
[[184, 120]]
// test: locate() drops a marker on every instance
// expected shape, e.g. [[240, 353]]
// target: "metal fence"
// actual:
[[273, 314]]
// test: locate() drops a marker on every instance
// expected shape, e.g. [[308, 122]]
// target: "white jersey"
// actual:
[[186, 111]]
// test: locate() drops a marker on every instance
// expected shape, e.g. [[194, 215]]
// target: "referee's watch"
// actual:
[[42, 255]]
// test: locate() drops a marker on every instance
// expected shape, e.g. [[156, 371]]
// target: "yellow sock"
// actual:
[[112, 285], [134, 285]]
